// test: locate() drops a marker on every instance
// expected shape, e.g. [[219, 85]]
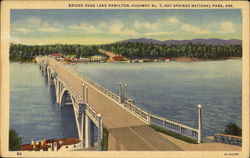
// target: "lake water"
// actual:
[[33, 110], [171, 90]]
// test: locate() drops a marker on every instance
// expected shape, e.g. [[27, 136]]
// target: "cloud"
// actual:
[[172, 20], [33, 24], [84, 26], [115, 26], [227, 27], [157, 24], [23, 30], [112, 27], [118, 27], [167, 20], [15, 40], [50, 29], [158, 33], [129, 32], [194, 29], [33, 21], [150, 26]]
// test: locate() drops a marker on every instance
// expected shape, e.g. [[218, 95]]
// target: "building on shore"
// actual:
[[98, 58], [84, 60], [167, 59], [56, 56], [67, 144]]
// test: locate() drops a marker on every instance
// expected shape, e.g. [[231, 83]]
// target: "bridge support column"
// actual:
[[49, 76], [44, 70], [100, 133], [81, 122], [87, 132], [58, 91]]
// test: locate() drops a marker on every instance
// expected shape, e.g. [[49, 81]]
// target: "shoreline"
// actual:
[[190, 59], [179, 59]]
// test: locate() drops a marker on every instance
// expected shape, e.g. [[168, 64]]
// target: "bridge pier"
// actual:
[[100, 132], [50, 76], [58, 90], [82, 124], [44, 69], [87, 132]]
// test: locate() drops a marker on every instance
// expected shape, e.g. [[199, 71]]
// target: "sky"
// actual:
[[92, 26]]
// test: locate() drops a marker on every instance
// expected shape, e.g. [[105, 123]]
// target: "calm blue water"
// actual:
[[33, 111], [171, 90]]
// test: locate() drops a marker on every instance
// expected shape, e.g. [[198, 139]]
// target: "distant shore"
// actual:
[[180, 59], [189, 59]]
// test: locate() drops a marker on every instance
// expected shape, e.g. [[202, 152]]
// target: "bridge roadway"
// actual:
[[126, 131]]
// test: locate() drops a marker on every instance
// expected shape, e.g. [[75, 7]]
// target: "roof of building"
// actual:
[[39, 146], [56, 54], [118, 56]]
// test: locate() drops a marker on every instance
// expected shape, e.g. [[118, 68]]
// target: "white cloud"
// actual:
[[23, 30], [129, 32], [150, 26], [75, 27], [167, 20], [33, 24], [33, 21], [227, 27], [102, 24], [84, 26], [194, 29], [157, 24], [112, 27], [15, 40], [115, 26], [158, 33], [172, 20], [50, 29]]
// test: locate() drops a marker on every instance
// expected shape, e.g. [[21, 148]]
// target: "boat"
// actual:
[[67, 144]]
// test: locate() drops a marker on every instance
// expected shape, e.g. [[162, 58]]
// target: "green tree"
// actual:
[[233, 129], [14, 140]]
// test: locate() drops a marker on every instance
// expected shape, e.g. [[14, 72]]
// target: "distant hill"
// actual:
[[212, 41]]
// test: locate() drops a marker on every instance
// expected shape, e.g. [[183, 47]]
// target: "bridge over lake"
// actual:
[[127, 124]]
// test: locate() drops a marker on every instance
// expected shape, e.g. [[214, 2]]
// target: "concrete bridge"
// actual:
[[94, 105]]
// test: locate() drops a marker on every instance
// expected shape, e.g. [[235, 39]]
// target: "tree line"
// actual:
[[143, 50], [131, 50], [20, 52]]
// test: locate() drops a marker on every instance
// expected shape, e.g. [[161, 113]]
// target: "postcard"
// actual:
[[125, 79]]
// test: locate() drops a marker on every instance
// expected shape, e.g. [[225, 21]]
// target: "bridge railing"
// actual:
[[175, 127], [102, 89], [160, 121]]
